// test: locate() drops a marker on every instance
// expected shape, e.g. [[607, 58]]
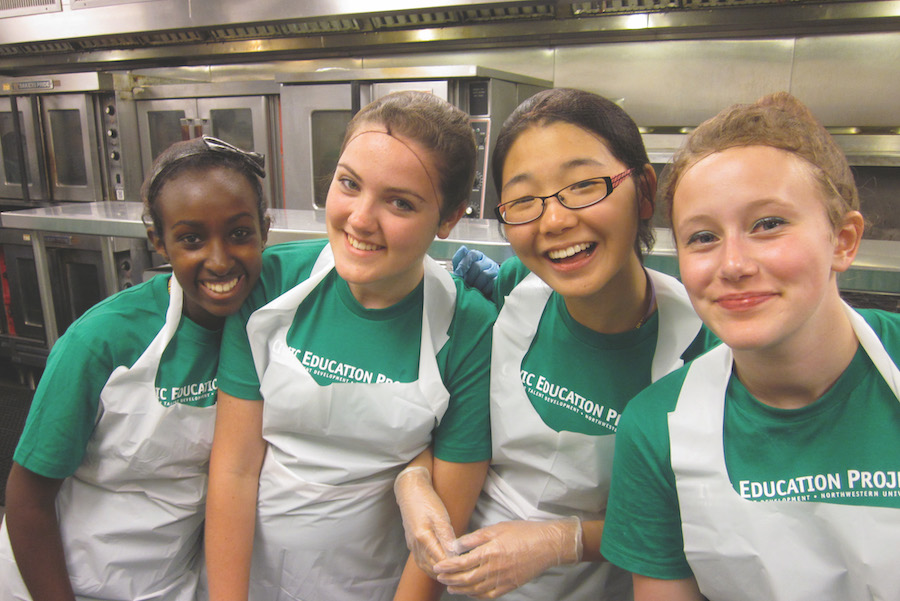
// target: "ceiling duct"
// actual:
[[164, 31]]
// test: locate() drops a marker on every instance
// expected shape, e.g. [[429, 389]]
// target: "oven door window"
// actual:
[[12, 170], [165, 129], [65, 127], [328, 129], [235, 126]]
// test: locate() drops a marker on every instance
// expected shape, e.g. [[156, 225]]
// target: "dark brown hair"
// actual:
[[438, 126], [592, 113], [198, 155]]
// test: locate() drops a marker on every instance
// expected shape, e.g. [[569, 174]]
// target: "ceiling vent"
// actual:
[[421, 19], [18, 8]]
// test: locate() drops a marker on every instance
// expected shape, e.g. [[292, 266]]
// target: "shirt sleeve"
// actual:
[[237, 374], [511, 272], [64, 409], [464, 434], [642, 533]]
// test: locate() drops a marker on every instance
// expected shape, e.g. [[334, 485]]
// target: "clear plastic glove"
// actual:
[[476, 270], [500, 558], [429, 533]]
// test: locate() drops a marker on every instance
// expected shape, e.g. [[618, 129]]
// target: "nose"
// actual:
[[737, 261], [218, 260], [556, 217], [362, 215]]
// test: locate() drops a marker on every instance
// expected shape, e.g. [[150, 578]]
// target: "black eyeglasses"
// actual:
[[579, 195]]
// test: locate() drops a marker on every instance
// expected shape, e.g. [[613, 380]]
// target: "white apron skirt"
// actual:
[[328, 526]]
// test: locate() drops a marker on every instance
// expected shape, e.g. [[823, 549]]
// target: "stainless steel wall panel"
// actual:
[[850, 80], [535, 62], [677, 83]]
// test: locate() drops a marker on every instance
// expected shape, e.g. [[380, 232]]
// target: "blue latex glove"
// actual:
[[476, 270]]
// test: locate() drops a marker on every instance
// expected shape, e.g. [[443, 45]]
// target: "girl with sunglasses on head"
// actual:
[[583, 327], [353, 356], [106, 494], [767, 469]]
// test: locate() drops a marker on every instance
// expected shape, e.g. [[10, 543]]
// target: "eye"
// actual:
[[403, 204], [588, 186], [768, 223], [191, 240], [520, 203], [700, 238], [348, 184], [241, 234]]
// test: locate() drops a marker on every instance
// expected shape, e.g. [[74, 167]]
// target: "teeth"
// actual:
[[568, 252], [221, 287], [360, 244]]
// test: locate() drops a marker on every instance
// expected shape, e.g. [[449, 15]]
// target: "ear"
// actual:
[[647, 192], [264, 232], [847, 238], [157, 243], [450, 222]]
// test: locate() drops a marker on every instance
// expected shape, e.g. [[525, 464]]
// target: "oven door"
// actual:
[[317, 116], [159, 125], [30, 137], [239, 120], [23, 305], [73, 154]]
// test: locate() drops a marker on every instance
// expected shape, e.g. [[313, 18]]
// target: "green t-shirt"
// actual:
[[338, 340], [580, 380], [844, 448], [113, 333]]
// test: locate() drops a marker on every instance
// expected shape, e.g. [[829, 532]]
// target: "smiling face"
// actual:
[[382, 214], [581, 253], [756, 250], [212, 236]]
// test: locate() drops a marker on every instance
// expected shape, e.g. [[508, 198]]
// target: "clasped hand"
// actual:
[[497, 559]]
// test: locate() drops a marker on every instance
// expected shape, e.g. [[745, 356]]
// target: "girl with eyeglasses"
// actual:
[[768, 468], [106, 495], [583, 327]]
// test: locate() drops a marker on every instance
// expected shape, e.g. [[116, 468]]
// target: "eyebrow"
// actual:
[[390, 189], [232, 219], [571, 164]]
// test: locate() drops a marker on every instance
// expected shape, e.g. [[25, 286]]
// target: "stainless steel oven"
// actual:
[[242, 113], [316, 108], [75, 269], [62, 145]]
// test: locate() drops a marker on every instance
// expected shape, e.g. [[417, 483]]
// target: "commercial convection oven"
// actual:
[[316, 107]]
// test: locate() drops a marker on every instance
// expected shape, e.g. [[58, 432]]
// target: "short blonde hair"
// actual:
[[778, 120]]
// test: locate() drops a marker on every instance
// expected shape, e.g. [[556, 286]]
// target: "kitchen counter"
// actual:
[[877, 267]]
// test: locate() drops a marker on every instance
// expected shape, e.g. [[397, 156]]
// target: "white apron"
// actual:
[[540, 474], [328, 525], [132, 514], [780, 550]]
